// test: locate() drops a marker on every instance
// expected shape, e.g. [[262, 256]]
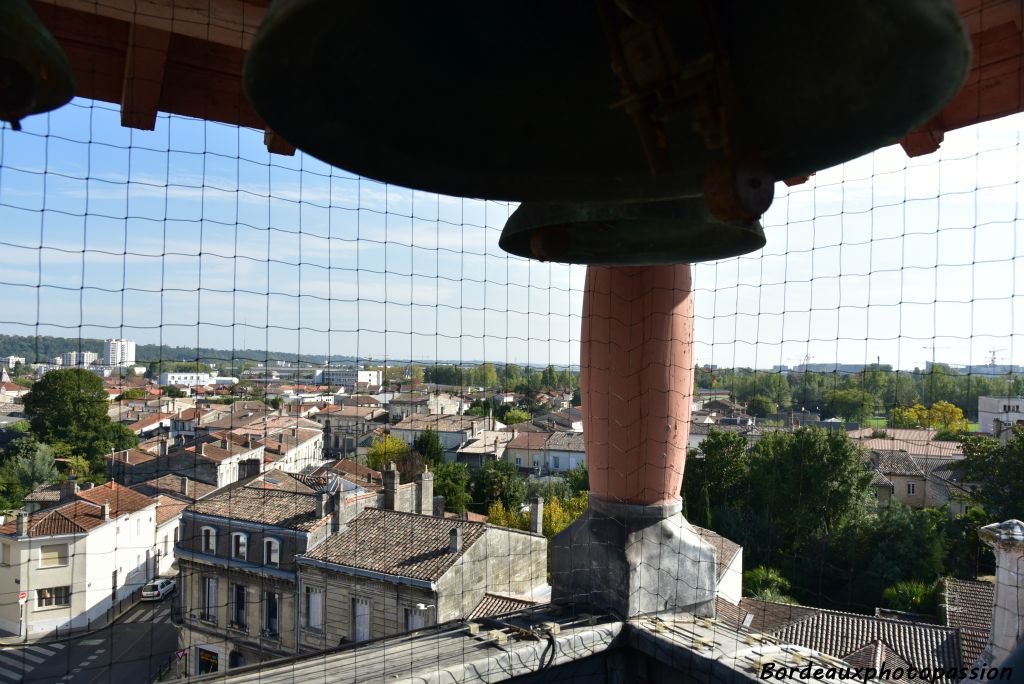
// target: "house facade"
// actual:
[[452, 431]]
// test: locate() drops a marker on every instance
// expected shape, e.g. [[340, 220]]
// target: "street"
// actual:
[[133, 649]]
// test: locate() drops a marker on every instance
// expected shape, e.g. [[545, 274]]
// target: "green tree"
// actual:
[[720, 470], [451, 480], [498, 481], [514, 416], [760, 406], [851, 404], [578, 479], [133, 393], [429, 446], [172, 391], [766, 584], [36, 467], [70, 405], [998, 471], [911, 597], [808, 482], [385, 449]]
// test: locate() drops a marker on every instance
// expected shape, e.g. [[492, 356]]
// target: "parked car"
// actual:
[[157, 590]]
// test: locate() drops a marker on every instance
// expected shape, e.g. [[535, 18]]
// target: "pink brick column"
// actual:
[[636, 381]]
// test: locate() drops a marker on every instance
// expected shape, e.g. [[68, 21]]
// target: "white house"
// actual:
[[564, 451], [186, 379], [1007, 409], [452, 430], [75, 560]]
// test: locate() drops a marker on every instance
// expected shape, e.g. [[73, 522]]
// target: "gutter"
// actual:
[[370, 574]]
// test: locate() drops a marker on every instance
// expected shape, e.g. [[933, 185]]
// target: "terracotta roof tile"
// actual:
[[968, 603], [268, 506], [891, 462], [399, 544], [725, 549], [493, 604], [122, 500], [168, 508], [171, 484]]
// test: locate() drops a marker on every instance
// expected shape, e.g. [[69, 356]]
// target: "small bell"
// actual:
[[621, 234], [35, 75]]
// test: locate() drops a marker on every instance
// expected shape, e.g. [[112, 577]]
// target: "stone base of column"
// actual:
[[634, 560]]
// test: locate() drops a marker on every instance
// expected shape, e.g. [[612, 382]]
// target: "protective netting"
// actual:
[[325, 407]]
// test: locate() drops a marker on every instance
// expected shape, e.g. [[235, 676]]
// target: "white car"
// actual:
[[157, 590]]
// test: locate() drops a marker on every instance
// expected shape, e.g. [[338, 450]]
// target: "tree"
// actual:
[[947, 417], [761, 406], [720, 468], [513, 416], [578, 479], [36, 467], [766, 584], [851, 404], [133, 393], [998, 471], [807, 482], [911, 597], [498, 481], [429, 446], [172, 391], [383, 450], [451, 480], [70, 405]]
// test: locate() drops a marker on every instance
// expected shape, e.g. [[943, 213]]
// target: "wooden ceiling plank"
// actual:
[[144, 67]]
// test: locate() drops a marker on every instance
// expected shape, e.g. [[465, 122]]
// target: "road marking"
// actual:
[[16, 661], [44, 650], [56, 646], [7, 674], [33, 658], [100, 650], [90, 642]]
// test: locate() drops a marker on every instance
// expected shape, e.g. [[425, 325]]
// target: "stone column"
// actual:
[[633, 552], [1007, 542]]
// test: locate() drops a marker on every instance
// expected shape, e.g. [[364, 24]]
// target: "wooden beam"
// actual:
[[276, 144], [144, 66], [228, 22]]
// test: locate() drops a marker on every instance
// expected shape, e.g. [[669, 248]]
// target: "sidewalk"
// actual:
[[109, 617]]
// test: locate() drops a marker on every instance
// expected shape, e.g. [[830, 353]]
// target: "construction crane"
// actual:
[[992, 355]]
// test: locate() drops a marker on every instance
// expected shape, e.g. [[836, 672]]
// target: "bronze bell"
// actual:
[[626, 233], [601, 101], [35, 76]]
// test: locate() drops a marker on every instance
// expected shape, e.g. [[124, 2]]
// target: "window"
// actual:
[[53, 555], [554, 462], [5, 554], [360, 619], [911, 488], [415, 619], [167, 547], [272, 552], [209, 600], [239, 544], [313, 610], [518, 461], [209, 540], [239, 615], [175, 535], [53, 597], [138, 526], [271, 610]]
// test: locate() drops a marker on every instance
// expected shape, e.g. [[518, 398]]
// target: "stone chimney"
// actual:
[[22, 524], [321, 505], [455, 540], [202, 448], [1007, 542], [337, 510], [425, 492], [163, 447], [183, 485], [537, 515], [223, 442], [69, 489], [391, 482], [105, 511], [439, 506]]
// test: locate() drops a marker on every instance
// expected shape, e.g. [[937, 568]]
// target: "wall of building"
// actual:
[[730, 586], [915, 500], [1007, 409]]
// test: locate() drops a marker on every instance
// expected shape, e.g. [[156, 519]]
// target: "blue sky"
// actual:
[[193, 233]]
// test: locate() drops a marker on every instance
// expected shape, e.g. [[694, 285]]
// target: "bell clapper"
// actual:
[[737, 191]]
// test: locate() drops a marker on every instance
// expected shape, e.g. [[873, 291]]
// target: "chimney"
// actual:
[[537, 515], [1007, 542], [321, 505], [22, 524], [88, 485], [163, 447], [337, 510], [425, 492], [391, 482], [250, 441], [438, 506], [183, 484], [202, 448], [105, 511], [455, 540], [69, 489], [223, 442]]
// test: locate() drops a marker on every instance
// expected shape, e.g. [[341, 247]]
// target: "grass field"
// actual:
[[880, 423]]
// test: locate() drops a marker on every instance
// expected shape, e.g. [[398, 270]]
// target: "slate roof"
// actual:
[[847, 634], [493, 604], [890, 462], [968, 603], [398, 544]]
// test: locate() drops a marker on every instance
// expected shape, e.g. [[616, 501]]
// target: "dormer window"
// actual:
[[209, 535], [272, 552], [239, 544]]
